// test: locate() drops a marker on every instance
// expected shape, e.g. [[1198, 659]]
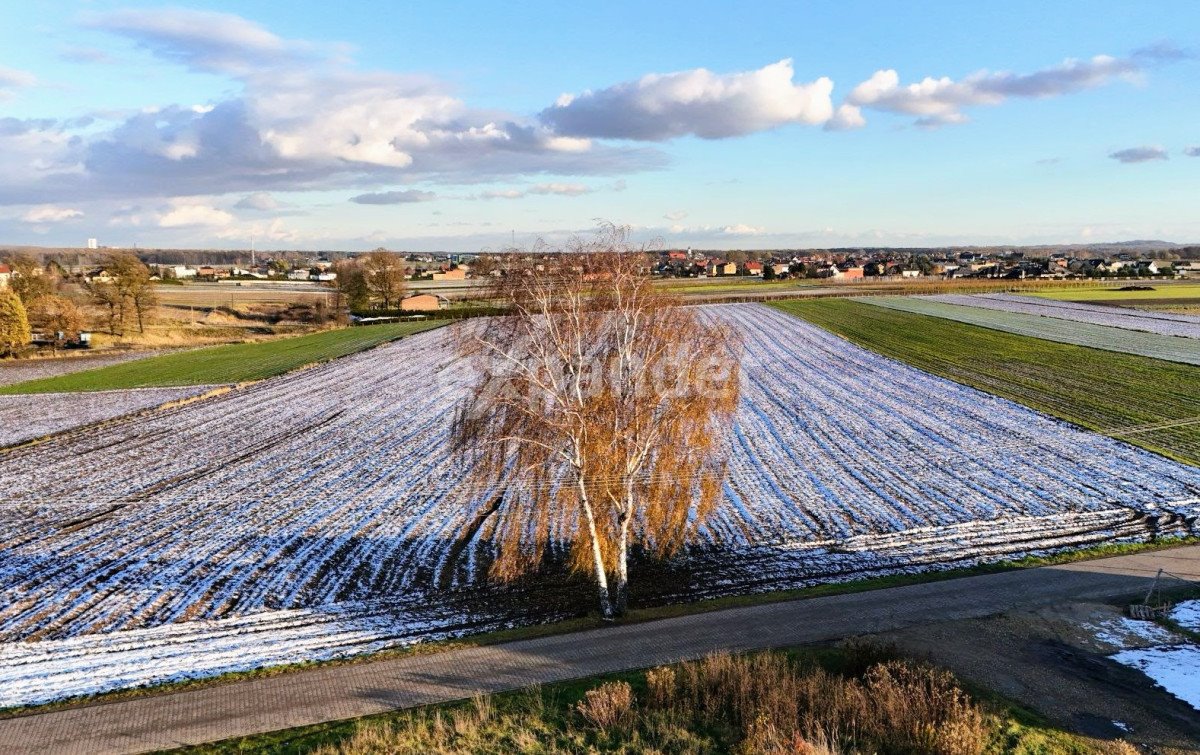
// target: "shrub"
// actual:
[[608, 706]]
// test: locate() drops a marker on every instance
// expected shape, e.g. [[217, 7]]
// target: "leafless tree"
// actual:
[[601, 410]]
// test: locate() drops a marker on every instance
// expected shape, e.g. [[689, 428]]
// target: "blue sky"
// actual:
[[465, 125]]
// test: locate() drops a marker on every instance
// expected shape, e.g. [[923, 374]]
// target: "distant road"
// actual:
[[339, 692]]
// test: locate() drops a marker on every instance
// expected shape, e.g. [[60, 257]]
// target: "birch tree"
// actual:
[[600, 413]]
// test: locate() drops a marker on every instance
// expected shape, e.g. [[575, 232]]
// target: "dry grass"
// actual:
[[761, 703]]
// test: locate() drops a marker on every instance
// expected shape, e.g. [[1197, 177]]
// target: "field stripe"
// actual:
[[1153, 345]]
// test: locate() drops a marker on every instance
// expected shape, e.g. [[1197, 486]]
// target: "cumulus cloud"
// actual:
[[846, 117], [940, 101], [294, 123], [394, 197], [1192, 151], [741, 229], [259, 200], [50, 214], [1139, 154], [184, 215], [696, 102]]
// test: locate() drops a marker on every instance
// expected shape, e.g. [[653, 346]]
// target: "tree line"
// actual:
[[42, 299]]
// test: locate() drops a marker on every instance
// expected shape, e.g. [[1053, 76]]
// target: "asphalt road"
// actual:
[[338, 692]]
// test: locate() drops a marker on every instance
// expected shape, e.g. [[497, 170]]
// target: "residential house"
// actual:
[[457, 274], [5, 275], [754, 268], [720, 267]]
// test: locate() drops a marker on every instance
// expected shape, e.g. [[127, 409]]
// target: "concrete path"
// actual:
[[338, 692]]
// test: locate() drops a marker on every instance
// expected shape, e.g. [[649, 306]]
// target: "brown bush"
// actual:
[[762, 704], [898, 706], [660, 686], [608, 706]]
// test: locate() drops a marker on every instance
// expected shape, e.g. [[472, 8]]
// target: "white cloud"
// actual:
[[50, 214], [259, 200], [560, 189], [296, 123], [846, 117], [1139, 154], [394, 197], [569, 190], [502, 194], [12, 79], [741, 229], [941, 101], [675, 215], [1192, 151], [202, 40], [185, 215], [697, 102]]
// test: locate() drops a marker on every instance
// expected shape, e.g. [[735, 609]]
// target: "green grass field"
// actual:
[[1147, 402], [1113, 294], [234, 363]]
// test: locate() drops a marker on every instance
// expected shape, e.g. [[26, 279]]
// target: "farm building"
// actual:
[[421, 303], [456, 274]]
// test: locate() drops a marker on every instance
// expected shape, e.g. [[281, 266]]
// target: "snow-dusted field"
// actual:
[[1106, 337], [14, 371], [1163, 323], [27, 416], [238, 531]]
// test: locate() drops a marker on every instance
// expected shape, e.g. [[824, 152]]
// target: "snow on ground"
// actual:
[[1176, 668], [1163, 323], [37, 672], [1187, 615], [319, 493], [18, 371], [1092, 335], [1124, 632], [33, 415]]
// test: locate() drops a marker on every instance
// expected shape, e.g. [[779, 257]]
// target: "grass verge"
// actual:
[[233, 363], [1150, 403], [815, 700], [634, 616]]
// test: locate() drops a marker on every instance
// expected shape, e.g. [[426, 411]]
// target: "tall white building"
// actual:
[[93, 244]]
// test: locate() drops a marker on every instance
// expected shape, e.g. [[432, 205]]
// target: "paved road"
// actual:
[[338, 692]]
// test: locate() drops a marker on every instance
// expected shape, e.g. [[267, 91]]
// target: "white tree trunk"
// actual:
[[606, 608]]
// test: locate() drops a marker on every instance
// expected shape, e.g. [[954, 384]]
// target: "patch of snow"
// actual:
[[1187, 615], [1124, 632], [1122, 726], [1176, 668]]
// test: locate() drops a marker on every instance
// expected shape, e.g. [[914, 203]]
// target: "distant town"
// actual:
[[1127, 260]]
